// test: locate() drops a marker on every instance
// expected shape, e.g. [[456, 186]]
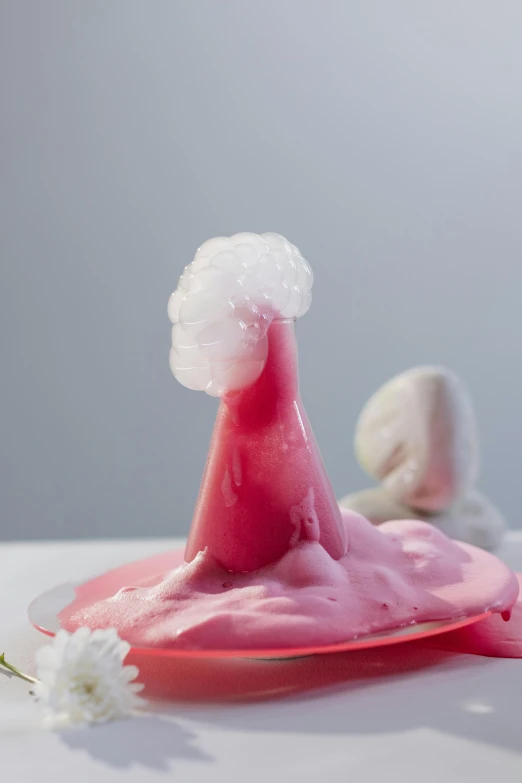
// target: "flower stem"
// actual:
[[15, 671]]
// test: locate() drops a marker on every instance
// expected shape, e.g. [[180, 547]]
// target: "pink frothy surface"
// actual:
[[399, 573]]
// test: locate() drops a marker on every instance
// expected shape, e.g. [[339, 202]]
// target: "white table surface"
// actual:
[[457, 718]]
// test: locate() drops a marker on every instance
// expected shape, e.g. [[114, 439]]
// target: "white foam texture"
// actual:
[[224, 303]]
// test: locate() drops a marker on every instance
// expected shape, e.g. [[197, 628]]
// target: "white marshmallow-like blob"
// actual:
[[472, 518], [418, 437], [224, 303]]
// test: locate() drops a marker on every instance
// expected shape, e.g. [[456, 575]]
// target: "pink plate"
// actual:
[[44, 614]]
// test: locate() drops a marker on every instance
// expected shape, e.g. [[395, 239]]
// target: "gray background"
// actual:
[[384, 138]]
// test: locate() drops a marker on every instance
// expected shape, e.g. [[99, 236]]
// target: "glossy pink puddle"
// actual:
[[271, 561]]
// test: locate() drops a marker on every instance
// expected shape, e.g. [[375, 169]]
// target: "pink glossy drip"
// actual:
[[265, 487], [496, 637]]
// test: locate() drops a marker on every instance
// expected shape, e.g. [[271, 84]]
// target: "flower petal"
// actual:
[[83, 679]]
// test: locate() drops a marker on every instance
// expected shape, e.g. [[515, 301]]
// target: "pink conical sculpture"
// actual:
[[265, 486]]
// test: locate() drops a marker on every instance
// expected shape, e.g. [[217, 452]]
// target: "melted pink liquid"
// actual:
[[394, 575], [265, 487]]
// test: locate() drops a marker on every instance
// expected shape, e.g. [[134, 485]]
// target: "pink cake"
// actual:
[[271, 560]]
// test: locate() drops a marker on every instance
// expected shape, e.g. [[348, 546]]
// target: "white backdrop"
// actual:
[[385, 139]]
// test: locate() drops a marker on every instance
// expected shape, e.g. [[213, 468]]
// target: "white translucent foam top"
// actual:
[[224, 303]]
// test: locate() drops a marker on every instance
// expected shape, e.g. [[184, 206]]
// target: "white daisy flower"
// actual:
[[81, 678]]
